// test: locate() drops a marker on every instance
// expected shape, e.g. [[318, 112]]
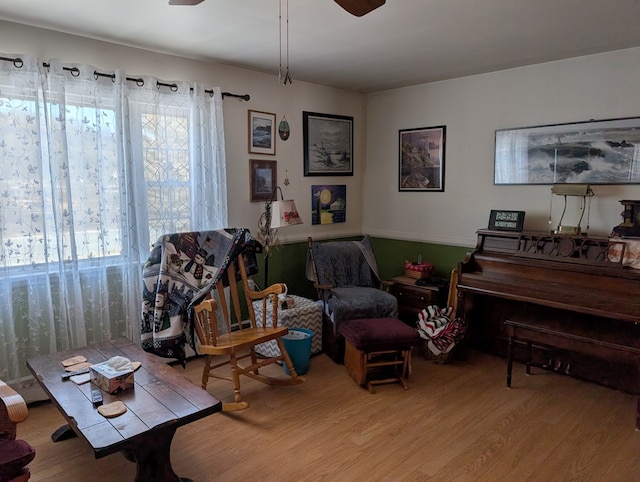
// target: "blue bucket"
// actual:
[[298, 345]]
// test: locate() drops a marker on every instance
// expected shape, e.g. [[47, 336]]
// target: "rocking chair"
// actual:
[[235, 343]]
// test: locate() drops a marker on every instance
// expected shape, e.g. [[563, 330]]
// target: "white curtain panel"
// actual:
[[93, 169]]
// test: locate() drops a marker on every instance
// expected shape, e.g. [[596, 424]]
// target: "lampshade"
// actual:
[[572, 190], [582, 191], [284, 213]]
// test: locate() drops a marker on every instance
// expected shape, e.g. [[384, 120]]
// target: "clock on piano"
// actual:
[[503, 220]]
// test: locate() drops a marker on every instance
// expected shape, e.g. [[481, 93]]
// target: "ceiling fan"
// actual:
[[354, 7]]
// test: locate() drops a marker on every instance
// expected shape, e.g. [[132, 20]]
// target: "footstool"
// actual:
[[378, 346]]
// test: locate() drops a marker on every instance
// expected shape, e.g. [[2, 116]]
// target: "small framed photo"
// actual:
[[328, 144], [421, 159], [263, 177], [262, 128]]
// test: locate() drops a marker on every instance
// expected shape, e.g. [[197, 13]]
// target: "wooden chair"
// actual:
[[245, 336], [14, 454]]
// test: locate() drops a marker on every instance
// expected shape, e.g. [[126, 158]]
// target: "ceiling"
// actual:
[[404, 42]]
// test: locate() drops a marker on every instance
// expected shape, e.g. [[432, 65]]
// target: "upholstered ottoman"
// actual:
[[378, 350]]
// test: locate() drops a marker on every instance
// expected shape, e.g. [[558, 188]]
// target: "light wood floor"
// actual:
[[456, 422]]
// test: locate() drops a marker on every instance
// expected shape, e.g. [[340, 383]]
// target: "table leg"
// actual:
[[63, 433], [152, 455]]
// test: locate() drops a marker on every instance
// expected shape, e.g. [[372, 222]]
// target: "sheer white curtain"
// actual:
[[93, 168]]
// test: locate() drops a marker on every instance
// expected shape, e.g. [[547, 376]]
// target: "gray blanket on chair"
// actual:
[[350, 268], [344, 263]]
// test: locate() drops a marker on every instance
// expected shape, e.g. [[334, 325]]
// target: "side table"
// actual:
[[305, 313], [413, 298]]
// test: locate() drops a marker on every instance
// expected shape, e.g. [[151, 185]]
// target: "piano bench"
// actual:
[[378, 350], [578, 336]]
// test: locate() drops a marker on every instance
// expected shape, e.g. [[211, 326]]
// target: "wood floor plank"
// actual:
[[456, 422]]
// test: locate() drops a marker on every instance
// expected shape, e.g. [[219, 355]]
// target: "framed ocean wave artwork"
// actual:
[[262, 128], [589, 152]]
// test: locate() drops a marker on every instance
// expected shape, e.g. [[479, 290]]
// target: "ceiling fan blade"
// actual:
[[360, 7], [185, 2]]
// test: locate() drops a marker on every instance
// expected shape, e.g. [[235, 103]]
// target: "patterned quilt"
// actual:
[[181, 270]]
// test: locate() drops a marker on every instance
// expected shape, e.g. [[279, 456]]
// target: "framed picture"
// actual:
[[262, 128], [421, 165], [328, 144], [589, 152], [263, 177], [329, 204]]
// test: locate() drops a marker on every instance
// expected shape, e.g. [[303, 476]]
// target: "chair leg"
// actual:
[[236, 377], [286, 359], [406, 367], [254, 360], [238, 404], [205, 372]]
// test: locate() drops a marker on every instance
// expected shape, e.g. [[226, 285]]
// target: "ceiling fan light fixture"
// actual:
[[360, 7]]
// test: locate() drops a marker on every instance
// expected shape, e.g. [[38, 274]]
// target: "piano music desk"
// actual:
[[578, 334]]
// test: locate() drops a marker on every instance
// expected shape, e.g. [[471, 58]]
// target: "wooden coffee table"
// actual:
[[161, 401]]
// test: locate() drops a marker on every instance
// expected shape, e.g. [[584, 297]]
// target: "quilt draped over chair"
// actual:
[[181, 270]]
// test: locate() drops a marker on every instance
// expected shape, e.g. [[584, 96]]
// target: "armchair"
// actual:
[[14, 454], [346, 278]]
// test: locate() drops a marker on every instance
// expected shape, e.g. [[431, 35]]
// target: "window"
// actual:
[[93, 169], [92, 183]]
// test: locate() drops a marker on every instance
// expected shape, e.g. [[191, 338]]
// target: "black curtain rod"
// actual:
[[18, 63]]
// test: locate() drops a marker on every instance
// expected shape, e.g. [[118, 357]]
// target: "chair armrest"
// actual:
[[322, 287], [385, 285], [13, 403], [274, 289]]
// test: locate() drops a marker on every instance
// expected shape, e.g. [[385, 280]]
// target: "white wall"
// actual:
[[593, 87], [266, 95]]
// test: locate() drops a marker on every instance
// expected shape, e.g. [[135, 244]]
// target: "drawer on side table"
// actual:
[[412, 298]]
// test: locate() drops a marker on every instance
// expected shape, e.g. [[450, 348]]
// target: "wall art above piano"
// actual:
[[589, 152]]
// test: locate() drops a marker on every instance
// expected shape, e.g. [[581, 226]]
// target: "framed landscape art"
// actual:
[[589, 152], [262, 128], [328, 144], [262, 179], [329, 204], [421, 159]]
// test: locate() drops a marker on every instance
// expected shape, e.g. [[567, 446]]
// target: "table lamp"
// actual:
[[582, 191]]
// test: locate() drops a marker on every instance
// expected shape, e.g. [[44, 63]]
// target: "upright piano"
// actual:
[[564, 282]]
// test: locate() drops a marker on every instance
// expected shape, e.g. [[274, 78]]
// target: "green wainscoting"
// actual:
[[287, 262]]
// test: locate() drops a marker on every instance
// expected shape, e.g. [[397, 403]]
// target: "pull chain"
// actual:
[[286, 77]]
